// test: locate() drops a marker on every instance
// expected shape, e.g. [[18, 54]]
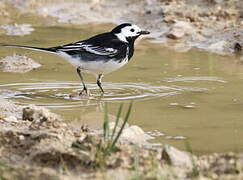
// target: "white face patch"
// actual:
[[128, 31]]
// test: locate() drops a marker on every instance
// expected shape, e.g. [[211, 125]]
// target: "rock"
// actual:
[[237, 47], [218, 46], [21, 137], [35, 113], [8, 109], [18, 64], [135, 134], [41, 116], [176, 158], [132, 134], [11, 119], [175, 34], [179, 30]]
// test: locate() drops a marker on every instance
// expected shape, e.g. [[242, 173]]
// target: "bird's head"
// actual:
[[128, 31]]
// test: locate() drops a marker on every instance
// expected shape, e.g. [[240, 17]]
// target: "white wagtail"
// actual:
[[100, 54]]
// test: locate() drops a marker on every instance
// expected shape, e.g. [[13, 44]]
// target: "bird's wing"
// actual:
[[86, 47]]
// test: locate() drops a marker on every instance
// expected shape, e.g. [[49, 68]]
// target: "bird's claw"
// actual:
[[102, 93], [84, 91]]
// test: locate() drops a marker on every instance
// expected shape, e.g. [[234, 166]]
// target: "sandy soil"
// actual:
[[36, 143]]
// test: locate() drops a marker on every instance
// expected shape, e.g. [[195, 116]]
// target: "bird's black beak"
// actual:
[[144, 32]]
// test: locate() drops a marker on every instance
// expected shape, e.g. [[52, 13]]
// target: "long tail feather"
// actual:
[[52, 50]]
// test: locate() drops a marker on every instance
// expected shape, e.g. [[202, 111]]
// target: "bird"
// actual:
[[99, 54]]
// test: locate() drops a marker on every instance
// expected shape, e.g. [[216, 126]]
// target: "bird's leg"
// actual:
[[82, 80], [99, 77]]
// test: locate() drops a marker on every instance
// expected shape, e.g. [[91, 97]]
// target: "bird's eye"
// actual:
[[132, 30]]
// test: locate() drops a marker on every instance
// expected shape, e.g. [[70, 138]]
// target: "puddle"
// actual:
[[195, 96]]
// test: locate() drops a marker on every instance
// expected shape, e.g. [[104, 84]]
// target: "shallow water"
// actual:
[[195, 95]]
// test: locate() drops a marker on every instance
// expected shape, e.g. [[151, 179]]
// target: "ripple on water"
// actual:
[[195, 78], [58, 94]]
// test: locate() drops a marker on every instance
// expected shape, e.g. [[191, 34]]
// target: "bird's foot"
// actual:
[[84, 91], [102, 93]]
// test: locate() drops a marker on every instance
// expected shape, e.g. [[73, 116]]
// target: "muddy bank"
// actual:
[[36, 144], [214, 26]]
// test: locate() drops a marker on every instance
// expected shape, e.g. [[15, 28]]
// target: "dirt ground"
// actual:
[[37, 144]]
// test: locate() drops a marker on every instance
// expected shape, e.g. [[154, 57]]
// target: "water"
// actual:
[[195, 95]]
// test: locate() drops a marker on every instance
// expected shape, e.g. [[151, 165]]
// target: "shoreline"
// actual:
[[37, 143]]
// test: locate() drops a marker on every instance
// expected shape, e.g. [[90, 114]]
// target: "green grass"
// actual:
[[110, 139], [107, 144]]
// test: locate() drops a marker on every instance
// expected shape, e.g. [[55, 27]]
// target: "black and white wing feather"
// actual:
[[103, 46], [89, 48]]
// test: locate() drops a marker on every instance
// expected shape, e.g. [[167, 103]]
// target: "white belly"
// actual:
[[94, 67]]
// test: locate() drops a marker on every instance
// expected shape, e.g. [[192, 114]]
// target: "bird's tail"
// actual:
[[51, 50]]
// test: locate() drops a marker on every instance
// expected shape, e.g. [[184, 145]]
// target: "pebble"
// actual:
[[179, 137], [174, 104], [82, 137], [179, 30], [218, 46], [21, 137], [188, 106], [176, 157], [11, 119], [135, 135]]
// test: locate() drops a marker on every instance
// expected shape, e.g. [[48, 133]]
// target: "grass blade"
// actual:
[[106, 124], [122, 127], [117, 121]]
